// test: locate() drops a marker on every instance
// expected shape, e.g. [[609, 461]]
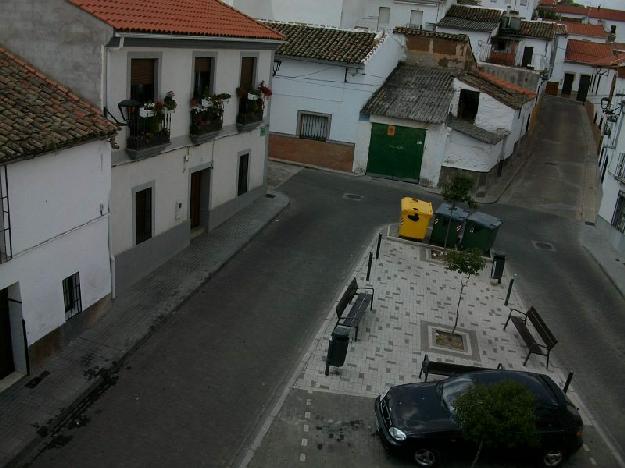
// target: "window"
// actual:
[[244, 161], [202, 76], [246, 80], [619, 172], [384, 17], [71, 295], [528, 54], [523, 2], [314, 126], [143, 215], [618, 220], [468, 104], [416, 18], [143, 80]]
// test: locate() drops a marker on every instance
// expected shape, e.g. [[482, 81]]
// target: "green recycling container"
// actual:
[[442, 217], [480, 231]]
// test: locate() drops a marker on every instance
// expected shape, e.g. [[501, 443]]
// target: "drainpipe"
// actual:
[[111, 256]]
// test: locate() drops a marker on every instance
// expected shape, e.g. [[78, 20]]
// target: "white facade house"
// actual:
[[611, 219], [479, 24], [194, 109], [323, 77], [612, 20], [376, 15], [54, 234], [524, 8]]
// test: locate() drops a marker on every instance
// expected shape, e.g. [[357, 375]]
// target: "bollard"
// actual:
[[369, 265], [509, 290], [377, 250], [569, 378]]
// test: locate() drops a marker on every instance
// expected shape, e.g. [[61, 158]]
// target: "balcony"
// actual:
[[251, 108], [149, 128], [502, 58], [207, 117]]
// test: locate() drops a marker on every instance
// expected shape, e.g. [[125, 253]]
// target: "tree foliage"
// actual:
[[501, 415], [466, 262], [459, 190]]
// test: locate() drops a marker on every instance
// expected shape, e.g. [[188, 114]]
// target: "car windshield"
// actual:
[[452, 388]]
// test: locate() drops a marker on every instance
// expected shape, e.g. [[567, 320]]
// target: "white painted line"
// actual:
[[586, 448], [304, 442], [306, 427], [307, 415], [308, 402], [592, 461], [302, 457]]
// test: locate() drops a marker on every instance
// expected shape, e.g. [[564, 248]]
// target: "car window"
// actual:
[[452, 388]]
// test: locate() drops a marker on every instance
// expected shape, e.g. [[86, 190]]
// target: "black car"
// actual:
[[418, 418]]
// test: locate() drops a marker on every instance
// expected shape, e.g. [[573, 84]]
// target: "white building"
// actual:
[[611, 219], [55, 182], [373, 15], [427, 123], [612, 21], [323, 77], [172, 176], [480, 24], [524, 8]]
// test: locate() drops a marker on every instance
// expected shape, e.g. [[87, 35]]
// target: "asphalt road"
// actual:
[[195, 392]]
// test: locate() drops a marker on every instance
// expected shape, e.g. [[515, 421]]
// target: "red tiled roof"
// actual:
[[547, 3], [508, 86], [598, 13], [592, 53], [590, 30], [192, 17], [38, 115]]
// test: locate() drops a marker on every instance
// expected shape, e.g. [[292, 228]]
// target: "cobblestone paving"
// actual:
[[415, 294]]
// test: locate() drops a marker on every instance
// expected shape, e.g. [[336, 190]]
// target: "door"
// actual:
[[584, 86], [396, 151], [528, 53], [195, 198], [568, 84], [7, 366]]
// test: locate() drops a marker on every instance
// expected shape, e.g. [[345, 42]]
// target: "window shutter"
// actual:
[[202, 64], [142, 71]]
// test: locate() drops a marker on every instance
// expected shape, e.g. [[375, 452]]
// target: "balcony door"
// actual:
[[246, 80], [143, 80]]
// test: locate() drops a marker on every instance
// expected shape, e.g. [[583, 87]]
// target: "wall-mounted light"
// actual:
[[276, 67]]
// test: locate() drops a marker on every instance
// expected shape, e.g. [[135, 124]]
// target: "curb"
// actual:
[[106, 376]]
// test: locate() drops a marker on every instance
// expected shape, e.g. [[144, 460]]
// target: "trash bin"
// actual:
[[442, 217], [480, 231], [496, 272], [415, 218], [337, 350]]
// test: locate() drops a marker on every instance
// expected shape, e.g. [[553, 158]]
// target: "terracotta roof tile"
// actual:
[[592, 53], [192, 17], [414, 31], [470, 18], [324, 43], [504, 91], [472, 130], [38, 115], [539, 29], [592, 12], [590, 30], [414, 92]]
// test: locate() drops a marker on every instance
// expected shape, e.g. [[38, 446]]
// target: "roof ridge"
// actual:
[[317, 26]]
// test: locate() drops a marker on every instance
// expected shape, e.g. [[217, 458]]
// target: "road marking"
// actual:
[[592, 461], [586, 448], [308, 402], [306, 428], [307, 415], [302, 457], [304, 442]]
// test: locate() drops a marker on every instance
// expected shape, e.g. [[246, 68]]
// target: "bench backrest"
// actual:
[[542, 328], [346, 298]]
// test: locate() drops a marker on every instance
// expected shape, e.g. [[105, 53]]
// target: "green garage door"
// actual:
[[396, 151]]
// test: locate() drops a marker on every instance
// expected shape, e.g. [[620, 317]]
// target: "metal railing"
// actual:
[[619, 171], [6, 248], [148, 128]]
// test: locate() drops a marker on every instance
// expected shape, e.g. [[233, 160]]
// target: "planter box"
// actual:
[[249, 120], [205, 131]]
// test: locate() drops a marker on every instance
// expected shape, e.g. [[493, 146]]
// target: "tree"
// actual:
[[498, 415], [466, 262], [458, 191]]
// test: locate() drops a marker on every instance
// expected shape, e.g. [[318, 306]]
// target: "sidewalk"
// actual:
[[33, 409], [329, 420], [611, 262]]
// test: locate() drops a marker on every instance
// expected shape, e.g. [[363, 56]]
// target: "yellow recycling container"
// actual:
[[415, 218]]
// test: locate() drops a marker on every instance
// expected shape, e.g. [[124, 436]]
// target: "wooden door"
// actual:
[[195, 198], [7, 366], [528, 53], [396, 151], [568, 84]]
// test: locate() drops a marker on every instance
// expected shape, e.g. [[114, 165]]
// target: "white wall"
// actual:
[[541, 56], [321, 87], [480, 41], [58, 228], [433, 151], [176, 74], [524, 7], [464, 152], [576, 69], [433, 11], [557, 74], [620, 27]]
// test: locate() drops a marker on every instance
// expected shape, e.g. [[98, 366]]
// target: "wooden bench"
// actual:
[[358, 307], [520, 322], [447, 368]]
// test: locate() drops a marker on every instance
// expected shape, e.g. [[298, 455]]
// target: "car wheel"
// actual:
[[553, 457], [426, 457]]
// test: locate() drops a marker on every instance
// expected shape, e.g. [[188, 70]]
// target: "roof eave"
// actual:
[[190, 37], [324, 62]]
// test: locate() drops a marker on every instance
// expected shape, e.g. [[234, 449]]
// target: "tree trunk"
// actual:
[[462, 285], [453, 207], [477, 455]]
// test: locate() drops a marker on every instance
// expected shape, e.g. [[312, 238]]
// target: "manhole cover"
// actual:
[[352, 196], [543, 245]]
